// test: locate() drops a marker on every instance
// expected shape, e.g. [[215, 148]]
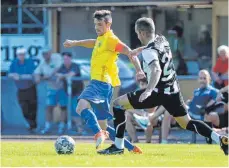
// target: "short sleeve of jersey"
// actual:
[[112, 43], [149, 55]]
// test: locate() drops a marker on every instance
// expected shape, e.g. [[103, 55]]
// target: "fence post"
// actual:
[[69, 90], [193, 137]]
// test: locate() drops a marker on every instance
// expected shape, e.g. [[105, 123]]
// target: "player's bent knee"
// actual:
[[183, 121], [122, 102]]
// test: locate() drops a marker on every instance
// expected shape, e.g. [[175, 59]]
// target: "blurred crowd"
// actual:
[[190, 58], [56, 71], [209, 101]]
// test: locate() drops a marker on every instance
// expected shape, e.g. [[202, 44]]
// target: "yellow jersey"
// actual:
[[104, 56]]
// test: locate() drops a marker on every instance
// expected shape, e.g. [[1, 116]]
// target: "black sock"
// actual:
[[208, 140], [199, 127], [119, 122]]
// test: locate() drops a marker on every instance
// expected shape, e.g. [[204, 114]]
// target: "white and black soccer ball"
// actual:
[[65, 145]]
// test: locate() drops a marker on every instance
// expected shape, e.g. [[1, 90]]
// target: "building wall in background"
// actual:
[[223, 30], [78, 24]]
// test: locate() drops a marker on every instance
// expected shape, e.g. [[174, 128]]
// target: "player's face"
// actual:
[[203, 80], [101, 27]]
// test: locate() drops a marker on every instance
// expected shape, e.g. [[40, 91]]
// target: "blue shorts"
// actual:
[[99, 94], [55, 97]]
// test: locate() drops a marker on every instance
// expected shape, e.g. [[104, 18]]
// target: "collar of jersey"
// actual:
[[108, 32]]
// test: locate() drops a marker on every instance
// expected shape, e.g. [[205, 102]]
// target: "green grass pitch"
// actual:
[[43, 154]]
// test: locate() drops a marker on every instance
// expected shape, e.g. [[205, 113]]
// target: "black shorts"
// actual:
[[173, 103], [223, 120]]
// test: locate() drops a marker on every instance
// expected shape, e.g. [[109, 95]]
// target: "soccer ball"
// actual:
[[64, 145]]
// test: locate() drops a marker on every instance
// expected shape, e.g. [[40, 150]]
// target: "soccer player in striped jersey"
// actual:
[[162, 89]]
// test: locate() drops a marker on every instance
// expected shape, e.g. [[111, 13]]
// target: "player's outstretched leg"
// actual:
[[127, 144], [203, 129], [119, 107], [90, 119]]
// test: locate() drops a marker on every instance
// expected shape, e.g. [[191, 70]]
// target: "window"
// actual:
[[32, 20]]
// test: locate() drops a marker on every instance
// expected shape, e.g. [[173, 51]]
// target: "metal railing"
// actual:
[[69, 89]]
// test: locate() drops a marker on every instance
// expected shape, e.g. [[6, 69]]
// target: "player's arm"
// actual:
[[124, 49], [151, 58], [154, 79], [88, 43], [154, 75]]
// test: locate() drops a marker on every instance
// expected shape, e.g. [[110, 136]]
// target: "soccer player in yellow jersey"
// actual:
[[94, 101]]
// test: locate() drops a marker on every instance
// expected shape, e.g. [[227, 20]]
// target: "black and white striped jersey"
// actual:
[[159, 50]]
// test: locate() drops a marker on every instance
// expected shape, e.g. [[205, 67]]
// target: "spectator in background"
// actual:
[[203, 97], [182, 68], [220, 70], [45, 71], [177, 42], [21, 70], [68, 70], [215, 118], [204, 49]]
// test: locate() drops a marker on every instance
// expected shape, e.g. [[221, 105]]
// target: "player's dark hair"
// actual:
[[145, 24], [103, 14], [67, 54]]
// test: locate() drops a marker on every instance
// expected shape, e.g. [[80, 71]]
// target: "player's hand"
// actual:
[[68, 43], [140, 75], [145, 95]]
